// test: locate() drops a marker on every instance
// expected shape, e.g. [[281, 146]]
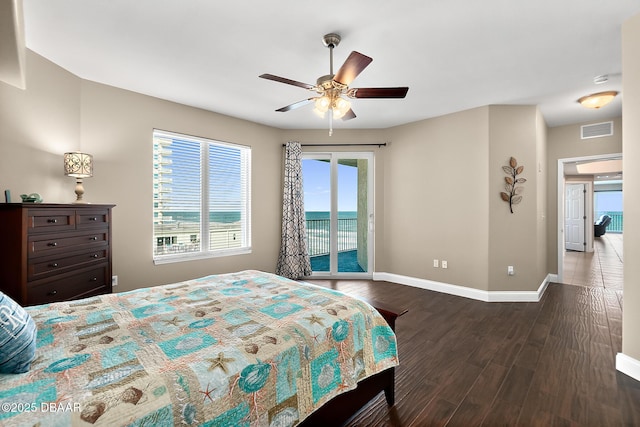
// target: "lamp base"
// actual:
[[79, 192]]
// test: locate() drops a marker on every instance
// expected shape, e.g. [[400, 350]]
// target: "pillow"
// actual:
[[17, 337]]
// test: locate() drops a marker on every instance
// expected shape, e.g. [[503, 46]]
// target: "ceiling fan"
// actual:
[[332, 87]]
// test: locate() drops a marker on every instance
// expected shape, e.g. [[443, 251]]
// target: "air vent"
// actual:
[[596, 130]]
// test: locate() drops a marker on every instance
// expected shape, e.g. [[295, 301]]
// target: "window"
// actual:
[[201, 197], [608, 201]]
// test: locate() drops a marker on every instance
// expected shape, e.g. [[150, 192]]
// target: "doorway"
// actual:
[[338, 190], [589, 169]]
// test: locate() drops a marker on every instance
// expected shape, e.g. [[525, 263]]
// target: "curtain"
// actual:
[[293, 261]]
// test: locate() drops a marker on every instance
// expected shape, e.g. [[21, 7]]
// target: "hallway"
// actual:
[[601, 268]]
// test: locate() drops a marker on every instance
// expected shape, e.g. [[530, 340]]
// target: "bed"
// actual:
[[246, 348]]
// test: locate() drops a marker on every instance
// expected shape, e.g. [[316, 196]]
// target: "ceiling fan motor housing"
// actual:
[[325, 82]]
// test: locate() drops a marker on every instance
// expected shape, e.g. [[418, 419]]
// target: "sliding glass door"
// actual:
[[339, 212]]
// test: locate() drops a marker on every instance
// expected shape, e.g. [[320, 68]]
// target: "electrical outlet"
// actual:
[[435, 263], [444, 264], [114, 281], [510, 271]]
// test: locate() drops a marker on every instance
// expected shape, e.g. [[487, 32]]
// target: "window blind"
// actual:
[[201, 197]]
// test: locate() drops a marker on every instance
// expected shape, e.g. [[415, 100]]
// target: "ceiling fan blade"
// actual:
[[355, 63], [380, 92], [295, 105], [349, 115], [286, 81]]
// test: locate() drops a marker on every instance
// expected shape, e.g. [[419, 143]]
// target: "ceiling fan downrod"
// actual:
[[331, 40]]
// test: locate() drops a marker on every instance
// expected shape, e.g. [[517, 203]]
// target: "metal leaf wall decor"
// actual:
[[513, 194]]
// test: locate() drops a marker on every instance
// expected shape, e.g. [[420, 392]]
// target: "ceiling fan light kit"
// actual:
[[332, 88]]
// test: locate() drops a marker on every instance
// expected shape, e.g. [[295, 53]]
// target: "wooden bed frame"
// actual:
[[342, 407]]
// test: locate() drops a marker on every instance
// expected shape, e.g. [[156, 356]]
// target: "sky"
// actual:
[[608, 201], [317, 189]]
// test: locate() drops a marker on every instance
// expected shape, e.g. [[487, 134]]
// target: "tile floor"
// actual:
[[600, 268]]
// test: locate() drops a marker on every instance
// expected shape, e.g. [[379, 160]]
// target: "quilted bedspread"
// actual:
[[247, 348]]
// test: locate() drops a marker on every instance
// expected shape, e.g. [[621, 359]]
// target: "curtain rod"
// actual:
[[382, 144]]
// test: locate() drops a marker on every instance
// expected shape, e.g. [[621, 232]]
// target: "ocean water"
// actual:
[[219, 216]]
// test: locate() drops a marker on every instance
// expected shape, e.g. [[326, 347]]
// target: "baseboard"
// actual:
[[466, 292], [628, 365]]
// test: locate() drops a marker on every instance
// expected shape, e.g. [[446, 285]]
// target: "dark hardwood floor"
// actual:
[[470, 363]]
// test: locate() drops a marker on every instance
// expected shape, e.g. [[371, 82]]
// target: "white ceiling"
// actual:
[[453, 54]]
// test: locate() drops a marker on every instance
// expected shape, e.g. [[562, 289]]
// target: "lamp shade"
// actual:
[[78, 165], [597, 100]]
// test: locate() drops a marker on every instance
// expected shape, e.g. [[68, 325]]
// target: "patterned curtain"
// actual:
[[293, 261]]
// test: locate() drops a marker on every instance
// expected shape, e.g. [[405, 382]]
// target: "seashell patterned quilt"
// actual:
[[239, 349]]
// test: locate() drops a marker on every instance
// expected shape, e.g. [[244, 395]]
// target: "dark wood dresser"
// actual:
[[54, 252]]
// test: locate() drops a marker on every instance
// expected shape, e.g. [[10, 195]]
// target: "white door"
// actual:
[[574, 217]]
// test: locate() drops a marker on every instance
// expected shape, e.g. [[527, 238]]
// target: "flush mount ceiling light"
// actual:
[[597, 100]]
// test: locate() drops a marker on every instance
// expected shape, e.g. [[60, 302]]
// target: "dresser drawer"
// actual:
[[54, 243], [50, 220], [88, 282], [98, 218], [49, 266]]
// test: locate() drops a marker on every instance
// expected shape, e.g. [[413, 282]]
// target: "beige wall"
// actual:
[[563, 143], [631, 159], [442, 182], [436, 203], [37, 126], [542, 220], [514, 238]]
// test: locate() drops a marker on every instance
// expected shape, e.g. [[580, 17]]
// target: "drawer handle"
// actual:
[[52, 293], [93, 238], [52, 221], [93, 218], [54, 264], [94, 256], [94, 279], [53, 244]]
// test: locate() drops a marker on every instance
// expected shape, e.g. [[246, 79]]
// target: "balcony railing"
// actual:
[[318, 232], [184, 237], [615, 226]]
